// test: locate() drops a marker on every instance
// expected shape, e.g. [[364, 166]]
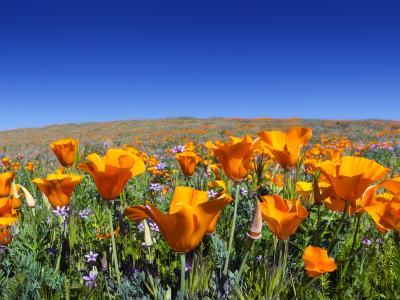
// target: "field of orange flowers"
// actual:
[[201, 209]]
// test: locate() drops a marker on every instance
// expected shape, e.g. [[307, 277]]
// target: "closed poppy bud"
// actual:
[[30, 201], [282, 216], [187, 161], [317, 261], [6, 180], [190, 215], [58, 187], [286, 146], [351, 176], [235, 156], [148, 241], [111, 172], [6, 162], [256, 224], [5, 236], [65, 150]]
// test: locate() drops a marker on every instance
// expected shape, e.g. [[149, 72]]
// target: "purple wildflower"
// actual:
[[154, 227], [83, 214], [212, 194], [161, 166], [92, 256], [140, 227], [366, 241], [178, 149], [61, 211], [156, 187], [91, 279]]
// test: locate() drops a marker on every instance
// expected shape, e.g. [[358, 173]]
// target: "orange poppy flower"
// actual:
[[392, 185], [101, 236], [65, 150], [29, 166], [8, 215], [58, 187], [15, 166], [282, 216], [235, 156], [5, 236], [6, 162], [190, 217], [317, 261], [286, 147], [111, 172], [187, 161], [351, 176], [6, 180]]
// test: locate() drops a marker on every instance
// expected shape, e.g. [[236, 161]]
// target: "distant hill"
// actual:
[[177, 130]]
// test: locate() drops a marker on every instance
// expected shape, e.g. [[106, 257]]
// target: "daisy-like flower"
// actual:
[[92, 256], [61, 211], [91, 279]]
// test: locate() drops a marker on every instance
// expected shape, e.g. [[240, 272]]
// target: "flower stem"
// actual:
[[333, 240], [183, 266], [242, 265], [232, 230], [114, 248], [355, 233]]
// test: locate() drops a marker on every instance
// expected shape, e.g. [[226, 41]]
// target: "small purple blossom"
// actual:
[[212, 194], [188, 266], [61, 211], [379, 241], [178, 149], [2, 249], [83, 214], [243, 192], [366, 241], [161, 166], [156, 187], [91, 279], [154, 227], [140, 227], [92, 256]]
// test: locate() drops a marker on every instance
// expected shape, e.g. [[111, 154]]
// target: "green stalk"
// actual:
[[114, 248], [355, 233], [183, 265], [242, 265], [333, 243], [232, 230]]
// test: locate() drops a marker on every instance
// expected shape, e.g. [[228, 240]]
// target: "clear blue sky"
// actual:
[[77, 61]]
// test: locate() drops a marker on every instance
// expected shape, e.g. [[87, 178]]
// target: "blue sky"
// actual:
[[81, 61]]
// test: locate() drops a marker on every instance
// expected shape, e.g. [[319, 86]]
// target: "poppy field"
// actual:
[[201, 209]]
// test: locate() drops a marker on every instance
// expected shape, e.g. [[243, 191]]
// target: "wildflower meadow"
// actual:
[[201, 209]]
